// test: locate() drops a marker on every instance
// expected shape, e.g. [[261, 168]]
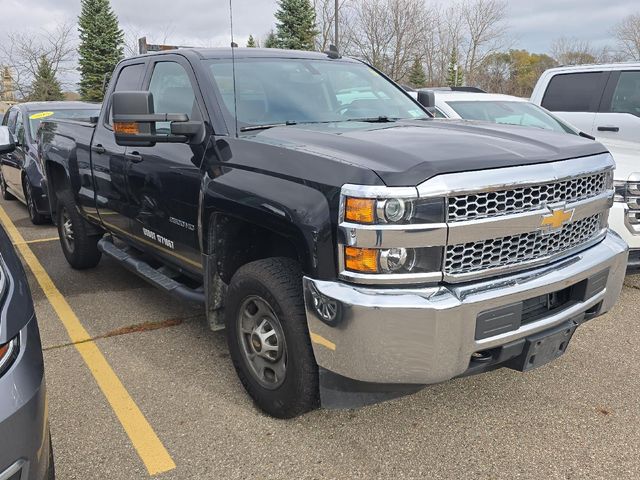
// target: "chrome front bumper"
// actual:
[[428, 335]]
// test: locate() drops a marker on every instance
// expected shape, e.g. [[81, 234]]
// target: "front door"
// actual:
[[164, 180], [14, 161], [619, 117]]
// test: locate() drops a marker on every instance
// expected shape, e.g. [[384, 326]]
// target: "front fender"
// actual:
[[300, 212]]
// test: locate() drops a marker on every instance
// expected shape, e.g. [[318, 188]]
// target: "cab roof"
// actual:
[[32, 106], [245, 52]]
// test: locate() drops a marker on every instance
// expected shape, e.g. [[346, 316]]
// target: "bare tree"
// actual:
[[133, 33], [484, 22], [627, 33], [572, 51], [23, 51], [325, 22], [388, 34]]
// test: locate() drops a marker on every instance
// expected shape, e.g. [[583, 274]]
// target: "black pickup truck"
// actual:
[[354, 248]]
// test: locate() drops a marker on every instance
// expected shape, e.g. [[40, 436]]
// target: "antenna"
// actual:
[[233, 67]]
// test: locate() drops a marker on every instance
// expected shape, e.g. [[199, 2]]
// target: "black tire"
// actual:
[[278, 281], [80, 248], [3, 189], [51, 469], [35, 217]]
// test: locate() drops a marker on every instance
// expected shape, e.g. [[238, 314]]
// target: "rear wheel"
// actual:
[[80, 248], [3, 189], [268, 337], [36, 218]]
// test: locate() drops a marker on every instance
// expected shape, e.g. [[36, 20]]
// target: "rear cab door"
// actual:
[[575, 97], [619, 113], [108, 159], [164, 180]]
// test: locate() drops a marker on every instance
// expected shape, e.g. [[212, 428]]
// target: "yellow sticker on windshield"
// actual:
[[38, 116]]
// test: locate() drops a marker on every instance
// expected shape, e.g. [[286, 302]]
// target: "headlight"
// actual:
[[398, 211], [390, 235], [8, 353]]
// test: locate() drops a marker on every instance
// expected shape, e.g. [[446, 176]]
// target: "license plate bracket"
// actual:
[[544, 347]]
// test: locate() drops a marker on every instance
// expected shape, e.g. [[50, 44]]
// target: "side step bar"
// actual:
[[150, 274]]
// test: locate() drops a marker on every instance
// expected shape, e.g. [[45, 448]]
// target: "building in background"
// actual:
[[7, 90]]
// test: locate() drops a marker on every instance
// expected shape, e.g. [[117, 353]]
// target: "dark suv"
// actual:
[[20, 171]]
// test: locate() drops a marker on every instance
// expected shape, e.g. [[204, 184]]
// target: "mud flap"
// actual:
[[338, 392]]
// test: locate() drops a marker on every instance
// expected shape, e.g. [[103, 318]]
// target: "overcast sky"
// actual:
[[533, 25]]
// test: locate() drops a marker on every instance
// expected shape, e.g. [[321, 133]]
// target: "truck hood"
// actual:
[[407, 153], [626, 155]]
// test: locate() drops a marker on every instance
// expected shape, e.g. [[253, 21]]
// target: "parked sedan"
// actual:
[[624, 217], [20, 171], [25, 443]]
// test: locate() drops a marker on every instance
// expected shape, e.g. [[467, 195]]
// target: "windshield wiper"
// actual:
[[266, 126], [380, 119]]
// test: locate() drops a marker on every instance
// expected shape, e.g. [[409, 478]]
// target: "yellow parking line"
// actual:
[[37, 240], [149, 447]]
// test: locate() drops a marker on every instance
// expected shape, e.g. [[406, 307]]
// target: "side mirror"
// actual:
[[134, 121], [427, 98], [7, 143]]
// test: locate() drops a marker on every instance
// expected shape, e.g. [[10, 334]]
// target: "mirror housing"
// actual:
[[7, 143], [134, 121], [427, 98]]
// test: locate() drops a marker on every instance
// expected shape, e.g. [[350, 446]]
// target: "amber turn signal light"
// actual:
[[360, 210], [363, 260], [127, 128]]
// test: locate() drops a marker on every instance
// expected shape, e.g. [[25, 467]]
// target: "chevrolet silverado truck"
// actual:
[[354, 248]]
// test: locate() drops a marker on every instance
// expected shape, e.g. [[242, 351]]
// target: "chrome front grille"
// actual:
[[519, 249], [525, 199]]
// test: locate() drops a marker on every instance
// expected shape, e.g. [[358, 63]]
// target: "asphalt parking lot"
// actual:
[[180, 411]]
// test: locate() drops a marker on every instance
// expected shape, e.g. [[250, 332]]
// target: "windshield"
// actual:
[[279, 91], [511, 113], [83, 114]]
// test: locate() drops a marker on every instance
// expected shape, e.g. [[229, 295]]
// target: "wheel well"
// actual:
[[237, 242], [56, 181]]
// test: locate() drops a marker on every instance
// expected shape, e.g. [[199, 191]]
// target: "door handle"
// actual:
[[608, 129], [134, 157], [98, 149]]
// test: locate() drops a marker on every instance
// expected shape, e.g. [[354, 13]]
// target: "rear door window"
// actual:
[[626, 97], [575, 92], [130, 79]]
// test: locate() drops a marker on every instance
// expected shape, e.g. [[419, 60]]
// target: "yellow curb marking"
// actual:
[[149, 447]]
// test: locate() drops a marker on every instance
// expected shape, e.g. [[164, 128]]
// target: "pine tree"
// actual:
[[45, 86], [296, 27], [417, 77], [455, 76], [271, 41], [101, 47], [251, 43]]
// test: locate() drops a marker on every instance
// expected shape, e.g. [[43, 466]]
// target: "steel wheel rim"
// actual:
[[262, 342], [66, 227]]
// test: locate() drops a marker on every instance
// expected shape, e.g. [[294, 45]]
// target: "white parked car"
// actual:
[[602, 100], [625, 214]]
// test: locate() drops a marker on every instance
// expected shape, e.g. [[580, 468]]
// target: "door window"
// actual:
[[575, 92], [172, 93], [130, 78], [10, 119], [626, 97], [19, 129]]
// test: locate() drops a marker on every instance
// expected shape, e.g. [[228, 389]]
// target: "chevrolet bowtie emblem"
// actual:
[[556, 219]]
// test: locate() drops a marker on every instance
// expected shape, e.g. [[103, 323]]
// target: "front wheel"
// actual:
[[79, 247], [35, 217], [3, 188], [268, 337]]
